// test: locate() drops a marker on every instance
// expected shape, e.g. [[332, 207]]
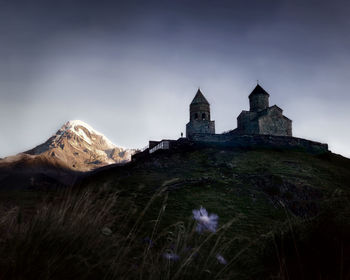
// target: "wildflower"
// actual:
[[221, 259], [171, 256], [205, 222]]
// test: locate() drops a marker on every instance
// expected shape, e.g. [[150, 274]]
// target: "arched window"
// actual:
[[203, 116], [196, 116]]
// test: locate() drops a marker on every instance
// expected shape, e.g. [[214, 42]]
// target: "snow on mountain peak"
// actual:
[[80, 147], [76, 126]]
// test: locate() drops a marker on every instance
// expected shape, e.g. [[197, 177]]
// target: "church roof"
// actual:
[[258, 90], [199, 98]]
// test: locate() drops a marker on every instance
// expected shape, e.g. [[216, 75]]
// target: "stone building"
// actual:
[[262, 119], [200, 116], [261, 126]]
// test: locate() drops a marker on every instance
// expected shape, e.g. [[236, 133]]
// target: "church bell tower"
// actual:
[[200, 116]]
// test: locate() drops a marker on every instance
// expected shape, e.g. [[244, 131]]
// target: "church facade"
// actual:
[[260, 119]]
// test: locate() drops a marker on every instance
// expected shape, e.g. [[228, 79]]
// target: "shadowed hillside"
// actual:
[[274, 214], [266, 192]]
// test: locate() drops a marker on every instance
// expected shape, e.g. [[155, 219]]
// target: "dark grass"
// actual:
[[282, 214], [89, 235], [94, 235]]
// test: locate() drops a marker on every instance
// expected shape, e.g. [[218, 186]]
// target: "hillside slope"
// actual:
[[24, 171], [263, 193]]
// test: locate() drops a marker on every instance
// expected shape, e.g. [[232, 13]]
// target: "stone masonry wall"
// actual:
[[199, 109], [246, 124], [201, 126], [273, 123], [258, 102], [261, 141]]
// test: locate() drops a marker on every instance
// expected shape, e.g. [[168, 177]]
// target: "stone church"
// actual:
[[260, 119], [263, 126]]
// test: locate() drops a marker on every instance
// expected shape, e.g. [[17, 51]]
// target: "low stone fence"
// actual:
[[235, 141], [260, 141]]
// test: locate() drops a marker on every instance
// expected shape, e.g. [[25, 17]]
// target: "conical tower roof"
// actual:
[[258, 90], [199, 98]]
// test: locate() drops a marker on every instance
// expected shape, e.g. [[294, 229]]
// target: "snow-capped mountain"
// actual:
[[79, 147]]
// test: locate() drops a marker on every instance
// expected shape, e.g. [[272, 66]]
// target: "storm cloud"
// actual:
[[131, 68]]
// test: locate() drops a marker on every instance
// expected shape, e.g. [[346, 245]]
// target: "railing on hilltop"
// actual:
[[163, 145]]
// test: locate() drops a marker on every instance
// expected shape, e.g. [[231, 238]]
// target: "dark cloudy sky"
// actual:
[[131, 68]]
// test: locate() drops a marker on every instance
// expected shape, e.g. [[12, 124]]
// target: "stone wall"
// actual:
[[274, 123], [246, 123], [194, 127], [261, 141], [242, 141], [269, 121], [197, 111], [258, 102]]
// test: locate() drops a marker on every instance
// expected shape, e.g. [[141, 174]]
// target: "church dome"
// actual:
[[258, 90]]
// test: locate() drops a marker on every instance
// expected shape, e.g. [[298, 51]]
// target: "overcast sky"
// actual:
[[131, 68]]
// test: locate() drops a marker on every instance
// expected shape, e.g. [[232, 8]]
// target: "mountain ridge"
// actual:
[[81, 147], [74, 149]]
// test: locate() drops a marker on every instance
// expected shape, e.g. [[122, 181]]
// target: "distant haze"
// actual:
[[131, 68]]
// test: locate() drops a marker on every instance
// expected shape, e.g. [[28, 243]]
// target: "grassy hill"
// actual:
[[283, 214], [261, 193]]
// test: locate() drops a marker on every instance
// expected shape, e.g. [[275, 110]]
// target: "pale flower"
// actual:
[[171, 256], [205, 222], [221, 259]]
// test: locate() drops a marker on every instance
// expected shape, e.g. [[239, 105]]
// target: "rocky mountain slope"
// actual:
[[75, 148], [80, 147]]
